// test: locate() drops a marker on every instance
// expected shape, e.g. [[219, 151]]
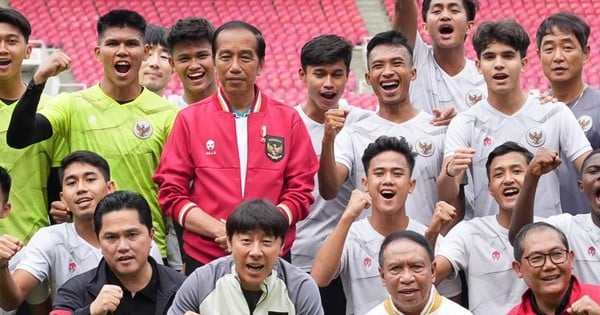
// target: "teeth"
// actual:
[[122, 63], [196, 75]]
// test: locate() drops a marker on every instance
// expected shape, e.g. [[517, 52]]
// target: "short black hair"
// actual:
[[390, 38], [120, 200], [156, 35], [121, 18], [325, 50], [5, 182], [470, 6], [565, 22], [507, 32], [257, 214], [192, 29], [408, 235], [261, 46], [87, 157], [385, 143], [16, 19], [587, 158], [520, 237], [505, 148]]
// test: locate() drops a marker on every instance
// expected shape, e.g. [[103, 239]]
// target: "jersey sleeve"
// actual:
[[457, 134], [573, 141], [343, 150], [308, 298], [455, 249], [37, 256], [58, 113]]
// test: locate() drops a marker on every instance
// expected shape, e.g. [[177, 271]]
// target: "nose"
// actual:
[[255, 249], [558, 55], [81, 186], [154, 60], [122, 49], [328, 82], [123, 245], [235, 65], [406, 275]]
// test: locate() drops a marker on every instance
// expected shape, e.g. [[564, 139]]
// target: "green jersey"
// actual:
[[129, 136], [29, 169]]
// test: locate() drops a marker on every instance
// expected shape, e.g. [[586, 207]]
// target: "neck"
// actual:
[[12, 88], [451, 60], [503, 218], [549, 304], [192, 97], [386, 224], [398, 113], [136, 282], [120, 94], [85, 230], [508, 103], [313, 111], [567, 92], [240, 101]]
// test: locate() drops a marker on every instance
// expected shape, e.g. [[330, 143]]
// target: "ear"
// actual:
[[478, 65], [411, 185], [433, 269], [152, 231], [28, 51], [4, 211], [425, 28], [586, 54], [146, 51], [97, 53], [470, 26], [260, 66], [490, 188], [381, 275], [111, 186], [572, 257], [365, 183], [517, 268], [580, 184], [524, 63], [368, 78], [171, 63], [302, 74], [413, 74]]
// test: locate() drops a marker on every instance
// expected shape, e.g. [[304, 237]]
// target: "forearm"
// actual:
[[329, 185], [449, 188], [405, 19], [25, 127], [327, 261], [459, 205], [10, 299], [523, 212], [200, 222]]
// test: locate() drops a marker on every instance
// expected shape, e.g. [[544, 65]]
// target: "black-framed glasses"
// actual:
[[557, 256]]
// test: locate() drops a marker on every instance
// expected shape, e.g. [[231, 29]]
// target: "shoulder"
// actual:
[[170, 275]]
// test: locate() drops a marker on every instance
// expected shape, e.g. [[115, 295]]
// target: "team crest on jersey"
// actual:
[[92, 119], [536, 137], [210, 147], [473, 97], [425, 147], [274, 148], [487, 142], [592, 251], [72, 266], [367, 262], [142, 129], [585, 122], [495, 255]]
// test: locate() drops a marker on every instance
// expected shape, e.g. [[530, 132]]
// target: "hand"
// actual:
[[584, 306], [59, 211], [544, 161], [460, 161], [359, 201], [443, 215], [107, 300], [334, 122], [547, 98], [443, 116], [58, 62], [221, 236], [9, 246]]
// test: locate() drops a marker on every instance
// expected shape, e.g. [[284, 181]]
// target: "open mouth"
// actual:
[[446, 30], [509, 192], [255, 267], [387, 194], [500, 76], [5, 62], [196, 76], [125, 258], [550, 278], [390, 86], [328, 95], [122, 66]]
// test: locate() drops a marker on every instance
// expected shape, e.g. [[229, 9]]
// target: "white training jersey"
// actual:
[[324, 214], [434, 88], [177, 100], [427, 142], [483, 128]]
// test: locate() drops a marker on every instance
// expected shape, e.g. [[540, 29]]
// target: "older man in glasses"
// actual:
[[544, 261]]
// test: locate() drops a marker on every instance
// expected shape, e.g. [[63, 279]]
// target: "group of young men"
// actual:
[[351, 198]]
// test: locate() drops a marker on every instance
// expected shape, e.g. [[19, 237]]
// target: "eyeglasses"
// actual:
[[537, 260]]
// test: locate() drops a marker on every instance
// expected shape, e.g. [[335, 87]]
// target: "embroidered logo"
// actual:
[[473, 97], [210, 147], [142, 129], [535, 137], [72, 266], [92, 119], [592, 251], [487, 141], [274, 148], [496, 255], [425, 147], [367, 262], [585, 122]]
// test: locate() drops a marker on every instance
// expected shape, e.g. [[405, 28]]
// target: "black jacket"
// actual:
[[79, 292]]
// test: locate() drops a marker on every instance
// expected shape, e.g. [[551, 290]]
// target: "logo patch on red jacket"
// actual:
[[274, 148]]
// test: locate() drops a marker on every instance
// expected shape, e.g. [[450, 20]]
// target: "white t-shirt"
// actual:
[[359, 267], [434, 88], [484, 128], [177, 100], [584, 239], [427, 142], [480, 247], [324, 214], [57, 253]]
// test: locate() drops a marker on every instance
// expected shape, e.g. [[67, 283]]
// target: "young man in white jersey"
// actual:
[[117, 118], [190, 43], [59, 252], [325, 62], [508, 114], [582, 230], [352, 250], [447, 82], [563, 49], [156, 71], [390, 73], [480, 247]]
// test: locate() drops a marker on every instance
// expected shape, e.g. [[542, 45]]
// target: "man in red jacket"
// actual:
[[236, 145], [544, 261]]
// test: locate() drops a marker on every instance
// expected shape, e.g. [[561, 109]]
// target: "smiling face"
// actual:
[[408, 274], [83, 186], [121, 51], [325, 84], [390, 72], [13, 49], [447, 23], [255, 255], [388, 182], [193, 63], [501, 66], [156, 71], [562, 56], [506, 177]]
